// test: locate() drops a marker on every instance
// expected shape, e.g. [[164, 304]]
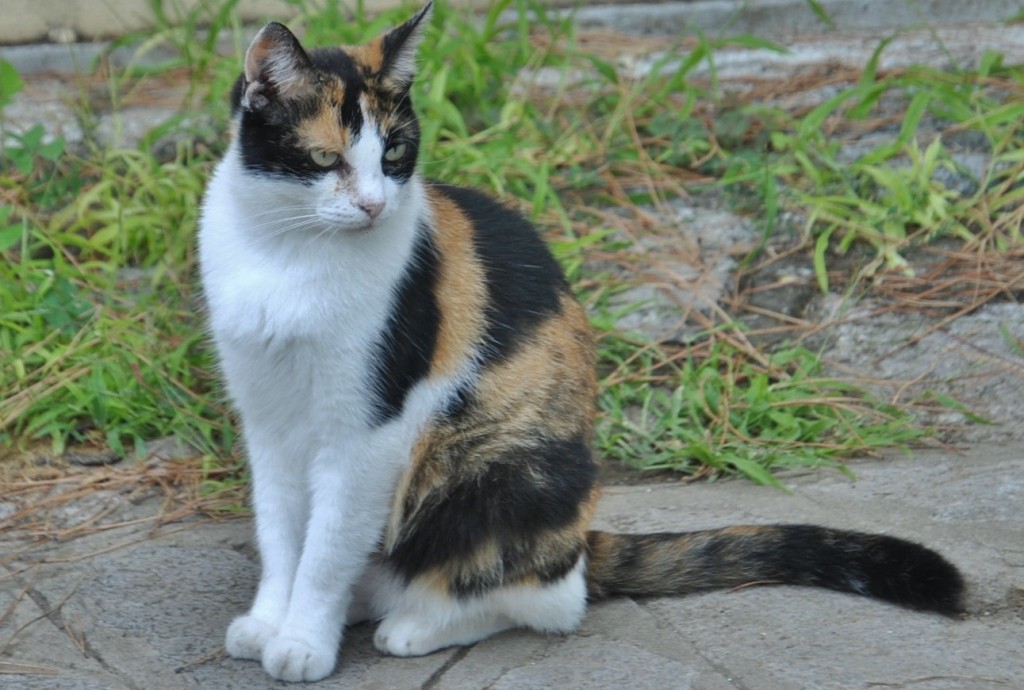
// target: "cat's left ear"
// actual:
[[398, 49]]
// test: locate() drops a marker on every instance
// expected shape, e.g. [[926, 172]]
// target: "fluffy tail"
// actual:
[[873, 565]]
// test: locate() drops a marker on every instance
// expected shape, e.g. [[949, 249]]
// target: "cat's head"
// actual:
[[334, 125]]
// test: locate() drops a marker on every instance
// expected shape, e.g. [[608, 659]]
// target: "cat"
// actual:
[[416, 387]]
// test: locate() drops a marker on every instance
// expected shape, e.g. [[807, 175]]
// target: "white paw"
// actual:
[[248, 636], [406, 636], [295, 659]]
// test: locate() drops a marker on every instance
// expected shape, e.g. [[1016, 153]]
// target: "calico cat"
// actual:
[[416, 386]]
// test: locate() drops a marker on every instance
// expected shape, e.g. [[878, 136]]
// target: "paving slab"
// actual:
[[138, 608], [39, 648]]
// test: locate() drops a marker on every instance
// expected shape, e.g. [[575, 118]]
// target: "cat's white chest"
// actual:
[[297, 314], [292, 346], [256, 300]]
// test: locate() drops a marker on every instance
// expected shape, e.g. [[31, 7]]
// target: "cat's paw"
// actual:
[[297, 659], [248, 636], [407, 636]]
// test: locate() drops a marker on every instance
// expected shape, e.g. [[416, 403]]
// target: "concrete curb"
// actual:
[[771, 19]]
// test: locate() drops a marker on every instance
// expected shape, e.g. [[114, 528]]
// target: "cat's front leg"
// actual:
[[248, 635], [348, 510], [281, 507]]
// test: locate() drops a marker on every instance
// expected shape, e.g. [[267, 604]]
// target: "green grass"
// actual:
[[889, 198], [101, 329], [724, 412]]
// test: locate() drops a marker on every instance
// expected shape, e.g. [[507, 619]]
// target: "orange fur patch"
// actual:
[[461, 292], [322, 131], [369, 55], [529, 389]]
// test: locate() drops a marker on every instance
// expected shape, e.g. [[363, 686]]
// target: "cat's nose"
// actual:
[[372, 208]]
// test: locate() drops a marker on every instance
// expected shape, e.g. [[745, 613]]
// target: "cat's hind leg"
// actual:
[[423, 620], [436, 621], [373, 595]]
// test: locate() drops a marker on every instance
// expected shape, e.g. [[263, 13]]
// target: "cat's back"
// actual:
[[505, 305], [498, 283], [484, 301], [502, 480]]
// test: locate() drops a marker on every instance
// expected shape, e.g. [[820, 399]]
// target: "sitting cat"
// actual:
[[416, 386]]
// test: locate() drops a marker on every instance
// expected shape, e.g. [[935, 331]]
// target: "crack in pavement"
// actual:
[[439, 674], [55, 615]]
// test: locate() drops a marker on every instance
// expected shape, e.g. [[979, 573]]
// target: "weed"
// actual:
[[716, 410], [10, 82], [101, 330], [911, 189]]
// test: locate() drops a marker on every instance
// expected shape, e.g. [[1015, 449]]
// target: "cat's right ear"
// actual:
[[398, 49], [276, 68]]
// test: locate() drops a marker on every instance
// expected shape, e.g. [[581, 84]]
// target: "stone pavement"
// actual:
[[128, 608]]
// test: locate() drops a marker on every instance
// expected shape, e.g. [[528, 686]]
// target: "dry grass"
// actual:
[[956, 282], [62, 502]]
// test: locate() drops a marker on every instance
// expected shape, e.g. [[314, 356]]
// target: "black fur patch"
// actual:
[[667, 564], [407, 344], [512, 501], [524, 282], [267, 141], [338, 63], [237, 91]]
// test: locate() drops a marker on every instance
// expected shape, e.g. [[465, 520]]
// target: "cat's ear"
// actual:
[[398, 49], [276, 67]]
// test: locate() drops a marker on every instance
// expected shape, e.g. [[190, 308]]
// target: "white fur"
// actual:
[[299, 281], [296, 309], [420, 620]]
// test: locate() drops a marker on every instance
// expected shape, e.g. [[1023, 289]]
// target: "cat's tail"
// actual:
[[873, 565]]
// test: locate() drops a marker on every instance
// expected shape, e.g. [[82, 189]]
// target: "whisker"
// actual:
[[274, 221], [286, 208], [327, 230], [283, 230], [291, 226]]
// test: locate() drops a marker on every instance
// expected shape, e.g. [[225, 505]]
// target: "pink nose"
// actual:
[[372, 208]]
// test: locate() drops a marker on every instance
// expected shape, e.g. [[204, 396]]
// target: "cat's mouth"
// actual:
[[349, 225], [363, 227]]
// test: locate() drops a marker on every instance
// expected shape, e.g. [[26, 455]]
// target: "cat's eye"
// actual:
[[395, 153], [325, 159]]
